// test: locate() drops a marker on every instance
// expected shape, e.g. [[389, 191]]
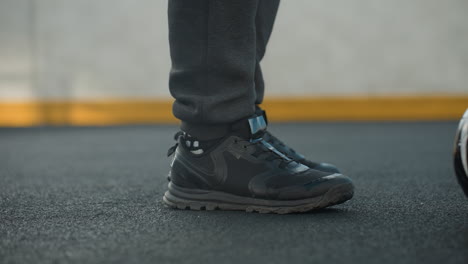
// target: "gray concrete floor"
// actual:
[[93, 195]]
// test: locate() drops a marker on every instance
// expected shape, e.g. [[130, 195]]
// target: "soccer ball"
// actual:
[[460, 154]]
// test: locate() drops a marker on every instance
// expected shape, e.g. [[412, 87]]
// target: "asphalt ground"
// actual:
[[93, 195]]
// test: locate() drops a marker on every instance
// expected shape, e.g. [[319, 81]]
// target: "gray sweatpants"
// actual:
[[216, 47]]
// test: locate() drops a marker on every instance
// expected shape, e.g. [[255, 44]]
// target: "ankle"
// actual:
[[195, 145], [246, 128]]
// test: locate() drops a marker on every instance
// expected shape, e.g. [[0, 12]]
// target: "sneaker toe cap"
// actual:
[[319, 187], [327, 167]]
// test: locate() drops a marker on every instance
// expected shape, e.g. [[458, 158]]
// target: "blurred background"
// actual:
[[104, 62], [70, 193]]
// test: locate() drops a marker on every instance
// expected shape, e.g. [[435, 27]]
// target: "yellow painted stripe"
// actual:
[[105, 112], [372, 108], [114, 112]]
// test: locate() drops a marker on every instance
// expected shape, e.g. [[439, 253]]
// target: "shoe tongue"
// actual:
[[250, 128]]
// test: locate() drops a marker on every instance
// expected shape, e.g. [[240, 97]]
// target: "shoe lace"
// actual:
[[278, 142], [266, 151]]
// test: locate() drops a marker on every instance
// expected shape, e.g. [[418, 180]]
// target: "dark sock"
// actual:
[[204, 132], [195, 145], [199, 138]]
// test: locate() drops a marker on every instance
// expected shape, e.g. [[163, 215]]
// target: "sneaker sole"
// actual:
[[195, 199]]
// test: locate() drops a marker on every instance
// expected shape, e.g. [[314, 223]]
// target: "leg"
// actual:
[[266, 14], [213, 52], [220, 158]]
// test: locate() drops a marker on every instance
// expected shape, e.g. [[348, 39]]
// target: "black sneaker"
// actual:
[[242, 171], [291, 153]]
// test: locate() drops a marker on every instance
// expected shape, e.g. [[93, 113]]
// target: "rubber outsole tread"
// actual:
[[334, 196]]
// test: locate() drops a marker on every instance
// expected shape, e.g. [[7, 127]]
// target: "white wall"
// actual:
[[15, 49], [60, 49]]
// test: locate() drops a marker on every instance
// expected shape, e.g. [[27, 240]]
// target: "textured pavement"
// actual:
[[93, 195]]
